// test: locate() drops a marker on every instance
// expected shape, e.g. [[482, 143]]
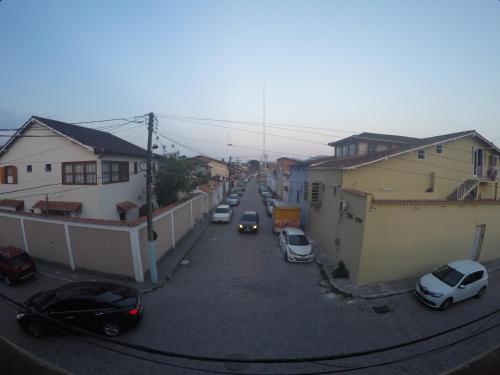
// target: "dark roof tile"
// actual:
[[101, 142]]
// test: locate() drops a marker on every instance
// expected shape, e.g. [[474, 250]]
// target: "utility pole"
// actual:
[[264, 156], [149, 190], [47, 205]]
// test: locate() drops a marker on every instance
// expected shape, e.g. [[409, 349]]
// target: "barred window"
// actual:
[[79, 173], [114, 171]]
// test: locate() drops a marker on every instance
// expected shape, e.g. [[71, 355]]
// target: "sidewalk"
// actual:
[[166, 265], [374, 290]]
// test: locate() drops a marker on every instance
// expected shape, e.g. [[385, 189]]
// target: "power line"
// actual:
[[248, 131], [258, 124]]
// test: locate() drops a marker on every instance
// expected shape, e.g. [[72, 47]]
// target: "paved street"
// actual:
[[237, 296]]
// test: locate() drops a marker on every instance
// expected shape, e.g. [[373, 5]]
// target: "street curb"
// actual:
[[345, 293], [42, 366], [472, 361]]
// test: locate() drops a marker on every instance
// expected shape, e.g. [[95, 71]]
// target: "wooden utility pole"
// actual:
[[149, 190]]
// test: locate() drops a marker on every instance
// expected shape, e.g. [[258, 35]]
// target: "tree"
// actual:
[[172, 178], [254, 165]]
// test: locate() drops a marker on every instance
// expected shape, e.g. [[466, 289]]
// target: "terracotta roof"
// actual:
[[204, 188], [59, 205], [356, 192], [350, 162], [13, 203], [125, 205], [101, 142], [430, 202]]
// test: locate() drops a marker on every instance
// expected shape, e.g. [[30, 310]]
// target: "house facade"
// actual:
[[394, 207], [54, 168], [209, 167], [283, 176]]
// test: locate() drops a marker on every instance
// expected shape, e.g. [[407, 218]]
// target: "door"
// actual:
[[478, 241], [478, 162]]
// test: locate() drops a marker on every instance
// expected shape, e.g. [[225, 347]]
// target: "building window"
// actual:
[[421, 154], [48, 167], [114, 171], [352, 150], [298, 196], [136, 167], [439, 149], [345, 150], [79, 173], [372, 147], [29, 168], [10, 174]]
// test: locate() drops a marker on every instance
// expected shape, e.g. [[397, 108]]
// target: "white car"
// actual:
[[233, 199], [222, 214], [295, 245], [452, 283]]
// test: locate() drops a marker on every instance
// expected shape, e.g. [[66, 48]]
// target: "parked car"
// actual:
[[15, 265], [249, 222], [233, 199], [269, 206], [265, 196], [452, 283], [104, 308], [237, 191], [222, 214], [242, 187], [295, 245]]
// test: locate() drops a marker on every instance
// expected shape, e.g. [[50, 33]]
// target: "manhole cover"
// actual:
[[236, 366], [382, 309]]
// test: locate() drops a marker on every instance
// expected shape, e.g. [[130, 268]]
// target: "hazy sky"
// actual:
[[415, 68]]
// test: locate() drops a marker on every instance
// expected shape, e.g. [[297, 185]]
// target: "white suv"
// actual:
[[451, 283], [222, 214]]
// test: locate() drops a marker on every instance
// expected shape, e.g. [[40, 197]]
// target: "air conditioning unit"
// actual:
[[344, 206]]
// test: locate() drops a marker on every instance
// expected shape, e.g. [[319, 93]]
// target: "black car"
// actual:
[[103, 308], [249, 222]]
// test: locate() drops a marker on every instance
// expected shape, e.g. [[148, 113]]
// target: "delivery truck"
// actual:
[[285, 214]]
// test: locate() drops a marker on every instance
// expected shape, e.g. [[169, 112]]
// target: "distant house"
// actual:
[[393, 207], [52, 167], [297, 184], [283, 175], [209, 167]]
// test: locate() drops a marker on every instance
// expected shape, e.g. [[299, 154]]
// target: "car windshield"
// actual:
[[448, 275], [20, 260], [248, 217], [298, 240], [222, 210], [233, 196]]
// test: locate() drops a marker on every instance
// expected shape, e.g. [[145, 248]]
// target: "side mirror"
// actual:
[[461, 286]]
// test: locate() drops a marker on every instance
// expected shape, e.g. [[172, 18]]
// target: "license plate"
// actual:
[[247, 229]]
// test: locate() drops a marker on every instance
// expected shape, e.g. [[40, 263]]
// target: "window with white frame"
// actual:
[[439, 149], [421, 154]]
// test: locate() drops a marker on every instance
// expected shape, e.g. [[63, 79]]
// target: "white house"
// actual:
[[71, 170]]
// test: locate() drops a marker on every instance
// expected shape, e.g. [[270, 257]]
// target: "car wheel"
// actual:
[[35, 329], [481, 292], [447, 303], [111, 329], [7, 280]]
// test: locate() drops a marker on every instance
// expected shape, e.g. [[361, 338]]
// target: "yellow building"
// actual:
[[393, 207]]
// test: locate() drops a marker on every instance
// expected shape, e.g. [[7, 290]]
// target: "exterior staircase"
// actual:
[[463, 190]]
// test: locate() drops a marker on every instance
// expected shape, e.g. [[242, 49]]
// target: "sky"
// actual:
[[330, 69]]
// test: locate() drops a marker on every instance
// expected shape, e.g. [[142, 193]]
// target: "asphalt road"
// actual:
[[238, 298]]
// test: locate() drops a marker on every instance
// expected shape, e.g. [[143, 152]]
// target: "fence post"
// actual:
[[173, 229], [24, 237], [70, 250]]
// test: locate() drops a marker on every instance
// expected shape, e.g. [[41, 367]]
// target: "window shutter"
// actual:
[[2, 175], [14, 174]]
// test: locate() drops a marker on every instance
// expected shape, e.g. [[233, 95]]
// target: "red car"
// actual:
[[15, 265]]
